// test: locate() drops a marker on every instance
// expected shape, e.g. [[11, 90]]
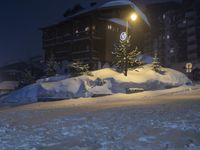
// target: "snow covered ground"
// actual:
[[7, 86], [166, 116], [156, 120], [87, 86]]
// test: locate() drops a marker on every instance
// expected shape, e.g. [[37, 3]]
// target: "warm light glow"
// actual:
[[134, 17]]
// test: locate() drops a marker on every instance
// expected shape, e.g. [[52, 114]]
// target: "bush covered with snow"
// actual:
[[103, 82]]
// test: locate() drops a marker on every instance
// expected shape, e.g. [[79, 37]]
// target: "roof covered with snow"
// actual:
[[114, 3], [118, 21]]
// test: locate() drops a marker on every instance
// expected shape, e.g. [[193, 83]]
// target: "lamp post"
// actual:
[[125, 38], [133, 17]]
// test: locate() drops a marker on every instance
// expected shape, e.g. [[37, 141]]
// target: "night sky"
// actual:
[[20, 37]]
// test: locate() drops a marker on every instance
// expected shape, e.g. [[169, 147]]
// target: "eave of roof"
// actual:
[[112, 4], [118, 21], [107, 5]]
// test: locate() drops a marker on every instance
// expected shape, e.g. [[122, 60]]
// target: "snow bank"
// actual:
[[28, 94], [8, 85], [103, 82], [53, 79]]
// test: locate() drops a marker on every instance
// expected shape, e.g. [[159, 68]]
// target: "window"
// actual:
[[164, 16], [171, 50], [168, 37], [109, 27], [87, 28]]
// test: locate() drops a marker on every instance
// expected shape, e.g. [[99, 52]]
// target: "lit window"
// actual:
[[76, 31], [168, 37], [87, 28], [184, 21], [109, 27], [94, 27], [172, 51], [164, 16]]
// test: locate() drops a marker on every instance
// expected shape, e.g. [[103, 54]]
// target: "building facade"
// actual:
[[176, 33], [89, 35]]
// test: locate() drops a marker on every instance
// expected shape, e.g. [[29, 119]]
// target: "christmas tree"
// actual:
[[51, 66], [79, 68], [125, 58], [156, 63], [28, 78]]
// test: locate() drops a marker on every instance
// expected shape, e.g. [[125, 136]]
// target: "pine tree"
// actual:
[[156, 63], [78, 68], [51, 66], [125, 58], [27, 78]]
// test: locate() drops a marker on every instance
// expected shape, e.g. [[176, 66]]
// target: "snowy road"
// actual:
[[121, 122]]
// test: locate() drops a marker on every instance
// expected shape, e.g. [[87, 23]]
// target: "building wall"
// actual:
[[89, 37], [177, 36]]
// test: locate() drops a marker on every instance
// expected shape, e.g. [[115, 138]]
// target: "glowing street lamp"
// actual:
[[125, 37], [134, 16]]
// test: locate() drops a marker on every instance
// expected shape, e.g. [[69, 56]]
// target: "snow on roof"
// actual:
[[147, 59], [124, 3], [115, 3], [118, 21]]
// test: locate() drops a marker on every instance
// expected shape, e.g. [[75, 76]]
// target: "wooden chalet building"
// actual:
[[89, 34]]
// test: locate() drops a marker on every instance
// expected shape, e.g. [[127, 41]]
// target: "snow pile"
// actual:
[[53, 79], [103, 82], [8, 85], [146, 59], [28, 94]]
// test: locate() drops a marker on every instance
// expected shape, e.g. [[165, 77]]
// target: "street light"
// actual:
[[133, 17]]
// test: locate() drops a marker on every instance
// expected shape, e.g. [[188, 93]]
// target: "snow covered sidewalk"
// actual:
[[110, 123]]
